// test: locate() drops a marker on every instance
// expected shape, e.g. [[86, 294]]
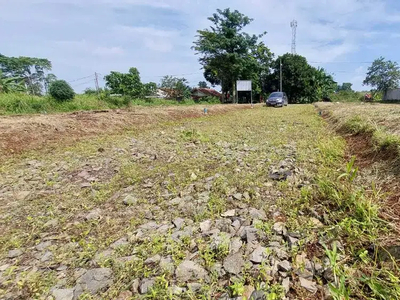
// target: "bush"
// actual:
[[61, 91]]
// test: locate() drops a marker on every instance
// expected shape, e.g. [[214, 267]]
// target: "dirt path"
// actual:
[[31, 132]]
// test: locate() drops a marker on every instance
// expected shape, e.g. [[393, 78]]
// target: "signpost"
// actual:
[[244, 86]]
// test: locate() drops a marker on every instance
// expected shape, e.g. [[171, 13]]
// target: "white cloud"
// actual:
[[108, 51]]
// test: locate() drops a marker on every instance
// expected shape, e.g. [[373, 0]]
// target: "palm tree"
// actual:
[[11, 84]]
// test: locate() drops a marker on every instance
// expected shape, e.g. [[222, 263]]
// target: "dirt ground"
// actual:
[[33, 132]]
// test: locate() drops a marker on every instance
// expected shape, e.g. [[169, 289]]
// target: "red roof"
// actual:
[[209, 92]]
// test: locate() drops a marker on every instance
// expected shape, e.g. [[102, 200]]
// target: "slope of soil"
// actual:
[[27, 132]]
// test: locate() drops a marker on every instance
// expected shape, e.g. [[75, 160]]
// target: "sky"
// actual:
[[81, 37]]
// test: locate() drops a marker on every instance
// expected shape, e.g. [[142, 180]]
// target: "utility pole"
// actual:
[[280, 61], [96, 81]]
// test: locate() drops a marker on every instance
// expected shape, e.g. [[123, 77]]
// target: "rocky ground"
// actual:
[[218, 207]]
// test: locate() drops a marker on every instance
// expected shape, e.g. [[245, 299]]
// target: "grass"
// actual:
[[241, 147], [17, 103]]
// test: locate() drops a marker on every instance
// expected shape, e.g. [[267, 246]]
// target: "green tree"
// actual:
[[175, 87], [61, 91], [345, 86], [300, 81], [226, 51], [49, 78], [383, 75], [125, 83], [30, 69], [149, 88], [203, 84]]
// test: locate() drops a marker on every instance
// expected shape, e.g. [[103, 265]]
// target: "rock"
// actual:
[[292, 242], [43, 245], [135, 286], [193, 177], [250, 235], [316, 223], [279, 228], [235, 245], [194, 287], [146, 285], [217, 269], [121, 242], [153, 260], [329, 275], [93, 215], [15, 253], [176, 290], [229, 213], [257, 214], [63, 294], [46, 256], [304, 273], [234, 263], [93, 281], [130, 200], [258, 295], [286, 285], [224, 225], [4, 267], [178, 222], [308, 285], [238, 196], [258, 255], [164, 228], [189, 270], [167, 264], [327, 293], [248, 291], [205, 226], [236, 224], [22, 195], [319, 269], [125, 295], [51, 223], [103, 255], [285, 266]]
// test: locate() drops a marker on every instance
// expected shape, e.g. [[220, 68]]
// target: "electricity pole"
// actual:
[[280, 61], [96, 81]]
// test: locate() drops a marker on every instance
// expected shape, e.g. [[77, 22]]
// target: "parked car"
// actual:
[[277, 99]]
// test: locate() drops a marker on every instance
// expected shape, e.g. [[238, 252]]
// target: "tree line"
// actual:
[[226, 53]]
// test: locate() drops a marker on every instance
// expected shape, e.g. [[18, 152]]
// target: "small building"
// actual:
[[392, 95], [159, 94], [198, 93]]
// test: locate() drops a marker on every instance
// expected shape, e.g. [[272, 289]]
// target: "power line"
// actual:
[[79, 79], [91, 81]]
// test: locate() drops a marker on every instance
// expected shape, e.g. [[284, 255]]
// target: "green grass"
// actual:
[[18, 103]]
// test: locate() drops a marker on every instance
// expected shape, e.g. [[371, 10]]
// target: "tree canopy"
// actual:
[[383, 75], [228, 53], [30, 69], [203, 84], [175, 87], [345, 86], [125, 83]]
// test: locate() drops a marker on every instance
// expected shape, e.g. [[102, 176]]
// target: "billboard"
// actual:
[[243, 85]]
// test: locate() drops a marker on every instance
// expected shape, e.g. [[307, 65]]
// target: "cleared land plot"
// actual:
[[207, 208]]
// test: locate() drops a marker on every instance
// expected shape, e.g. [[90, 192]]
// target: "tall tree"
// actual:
[[225, 49], [125, 83], [383, 75], [203, 84], [31, 69]]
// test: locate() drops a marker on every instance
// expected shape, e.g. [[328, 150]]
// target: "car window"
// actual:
[[277, 94]]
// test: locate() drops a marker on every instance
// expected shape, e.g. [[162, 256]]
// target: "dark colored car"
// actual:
[[277, 99]]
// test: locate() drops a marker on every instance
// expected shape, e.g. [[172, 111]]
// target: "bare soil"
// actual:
[[33, 132]]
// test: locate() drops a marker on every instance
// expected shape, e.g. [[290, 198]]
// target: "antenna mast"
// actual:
[[293, 24]]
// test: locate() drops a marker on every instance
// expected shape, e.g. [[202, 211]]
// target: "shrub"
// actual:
[[61, 91]]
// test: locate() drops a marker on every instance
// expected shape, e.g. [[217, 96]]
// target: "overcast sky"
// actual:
[[81, 37]]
